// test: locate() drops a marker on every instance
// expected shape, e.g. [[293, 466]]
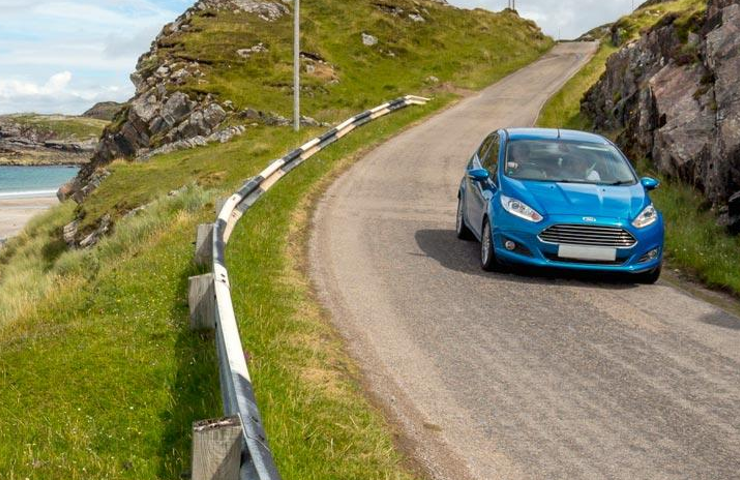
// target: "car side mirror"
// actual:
[[479, 174], [649, 183]]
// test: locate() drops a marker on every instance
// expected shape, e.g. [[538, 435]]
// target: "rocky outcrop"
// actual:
[[23, 143], [159, 115], [673, 95]]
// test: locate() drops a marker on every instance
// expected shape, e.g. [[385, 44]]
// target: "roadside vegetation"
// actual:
[[694, 241], [100, 376]]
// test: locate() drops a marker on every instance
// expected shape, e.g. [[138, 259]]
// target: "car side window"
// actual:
[[490, 160], [484, 148]]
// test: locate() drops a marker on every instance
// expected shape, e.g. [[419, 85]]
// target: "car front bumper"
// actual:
[[531, 250]]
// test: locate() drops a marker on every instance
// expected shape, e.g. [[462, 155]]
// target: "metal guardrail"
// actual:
[[236, 386]]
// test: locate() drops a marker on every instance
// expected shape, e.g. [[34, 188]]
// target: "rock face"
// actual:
[[673, 94], [158, 115]]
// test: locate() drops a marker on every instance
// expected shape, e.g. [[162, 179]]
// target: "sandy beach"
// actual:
[[15, 213]]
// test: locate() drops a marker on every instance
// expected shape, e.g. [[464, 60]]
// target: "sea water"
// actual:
[[29, 182]]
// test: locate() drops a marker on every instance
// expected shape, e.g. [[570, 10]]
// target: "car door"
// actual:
[[482, 192], [472, 187]]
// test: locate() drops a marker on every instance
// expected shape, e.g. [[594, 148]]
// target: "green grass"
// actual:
[[99, 375], [638, 22], [61, 127], [694, 242]]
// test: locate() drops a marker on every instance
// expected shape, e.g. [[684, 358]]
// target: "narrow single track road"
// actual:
[[515, 376]]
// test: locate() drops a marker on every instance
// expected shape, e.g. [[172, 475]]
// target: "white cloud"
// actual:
[[61, 56], [56, 84], [55, 95]]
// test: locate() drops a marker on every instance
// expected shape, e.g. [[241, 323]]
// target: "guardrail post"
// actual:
[[204, 245], [217, 449], [202, 302]]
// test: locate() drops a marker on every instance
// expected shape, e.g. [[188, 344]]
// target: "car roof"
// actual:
[[554, 134]]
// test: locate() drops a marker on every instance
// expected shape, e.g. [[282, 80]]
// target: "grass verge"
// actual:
[[101, 378], [694, 241]]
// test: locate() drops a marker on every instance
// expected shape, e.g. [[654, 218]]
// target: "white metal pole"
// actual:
[[297, 67]]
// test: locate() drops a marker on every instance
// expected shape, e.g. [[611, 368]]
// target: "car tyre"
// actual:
[[650, 277], [462, 230], [488, 261]]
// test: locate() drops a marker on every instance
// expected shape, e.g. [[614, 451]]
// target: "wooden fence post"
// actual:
[[217, 449], [202, 302], [204, 245]]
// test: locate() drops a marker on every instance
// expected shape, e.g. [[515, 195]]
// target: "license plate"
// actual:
[[584, 252]]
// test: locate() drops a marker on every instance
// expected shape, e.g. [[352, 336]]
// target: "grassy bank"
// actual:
[[694, 242], [99, 375], [102, 378]]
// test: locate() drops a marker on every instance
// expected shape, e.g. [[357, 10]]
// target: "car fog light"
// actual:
[[509, 245], [650, 256]]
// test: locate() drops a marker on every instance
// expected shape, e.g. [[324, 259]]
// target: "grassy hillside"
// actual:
[[99, 375], [694, 242]]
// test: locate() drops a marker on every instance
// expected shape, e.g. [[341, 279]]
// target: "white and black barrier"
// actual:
[[211, 307]]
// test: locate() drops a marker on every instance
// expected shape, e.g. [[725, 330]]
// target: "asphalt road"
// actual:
[[509, 376]]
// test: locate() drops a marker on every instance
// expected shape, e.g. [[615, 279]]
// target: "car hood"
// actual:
[[623, 201]]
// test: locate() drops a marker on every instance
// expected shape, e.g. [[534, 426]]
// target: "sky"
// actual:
[[63, 56]]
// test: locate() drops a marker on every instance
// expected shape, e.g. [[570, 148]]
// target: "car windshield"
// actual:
[[567, 161]]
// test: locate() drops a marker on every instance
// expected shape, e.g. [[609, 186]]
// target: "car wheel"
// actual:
[[650, 277], [463, 232], [488, 260]]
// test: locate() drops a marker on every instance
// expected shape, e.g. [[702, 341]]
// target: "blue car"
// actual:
[[563, 199]]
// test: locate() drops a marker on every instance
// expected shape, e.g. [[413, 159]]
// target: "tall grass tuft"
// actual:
[[38, 264]]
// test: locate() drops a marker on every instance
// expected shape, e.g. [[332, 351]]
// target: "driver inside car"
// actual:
[[583, 169]]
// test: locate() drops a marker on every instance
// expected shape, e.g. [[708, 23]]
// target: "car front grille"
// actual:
[[588, 235]]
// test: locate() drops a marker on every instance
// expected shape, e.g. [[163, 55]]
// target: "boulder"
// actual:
[[95, 236], [369, 40], [176, 108], [69, 232], [247, 52], [65, 191]]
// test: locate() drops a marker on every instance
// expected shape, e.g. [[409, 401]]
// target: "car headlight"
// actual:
[[647, 217], [520, 209]]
